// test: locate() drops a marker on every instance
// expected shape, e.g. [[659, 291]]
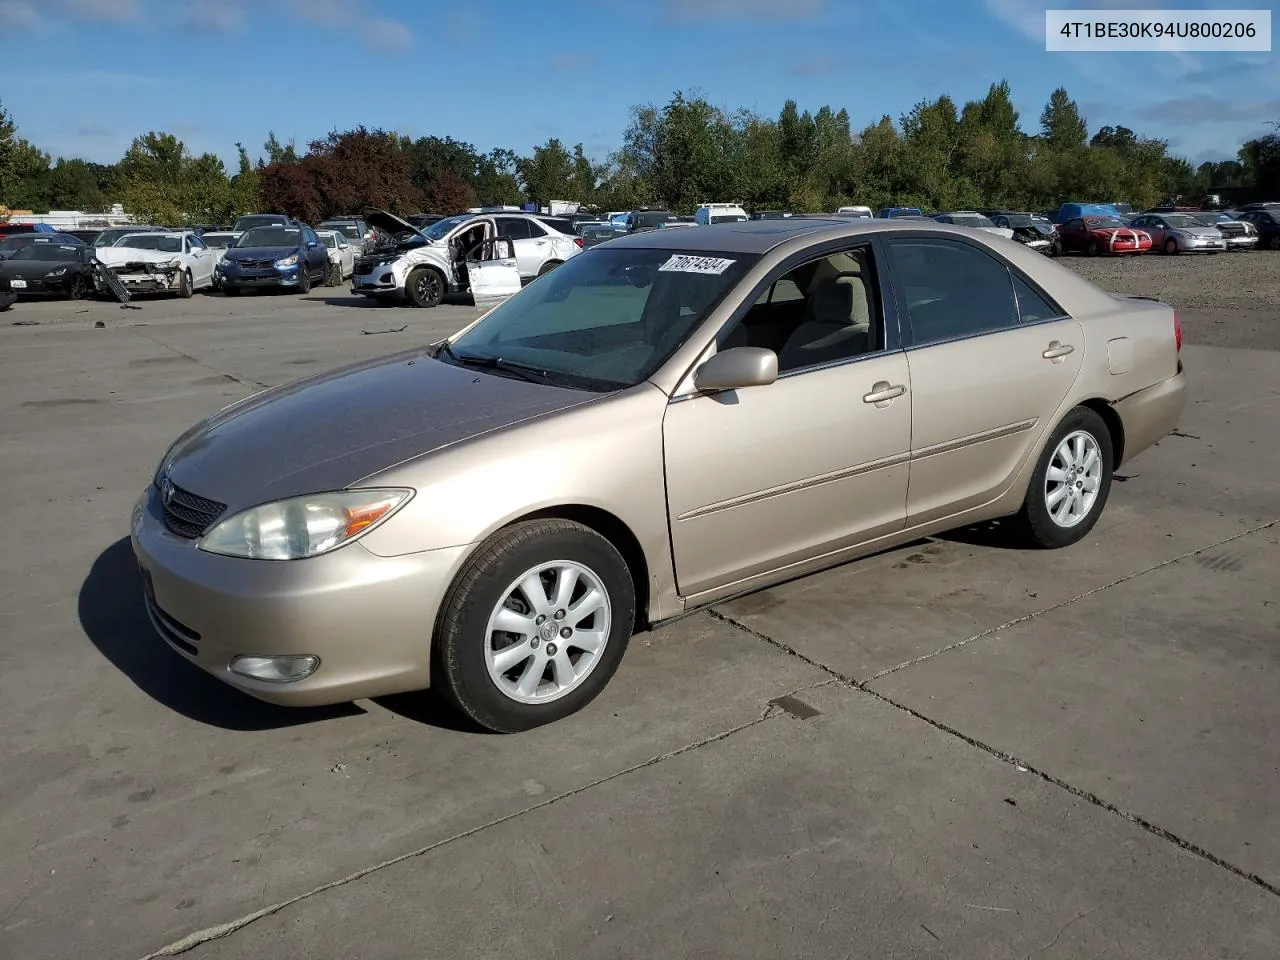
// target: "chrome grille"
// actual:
[[185, 513], [255, 264]]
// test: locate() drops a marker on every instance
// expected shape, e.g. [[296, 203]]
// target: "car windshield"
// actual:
[[330, 238], [1018, 219], [219, 240], [259, 220], [18, 241], [970, 220], [270, 237], [48, 251], [438, 229], [1181, 220], [350, 230], [647, 219], [607, 319], [151, 241], [1212, 219], [1094, 223]]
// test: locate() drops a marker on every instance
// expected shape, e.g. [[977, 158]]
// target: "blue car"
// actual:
[[287, 257]]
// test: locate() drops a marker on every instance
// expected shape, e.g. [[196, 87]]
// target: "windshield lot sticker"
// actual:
[[682, 263]]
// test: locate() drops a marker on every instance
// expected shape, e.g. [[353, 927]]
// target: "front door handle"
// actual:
[[883, 392], [1058, 350]]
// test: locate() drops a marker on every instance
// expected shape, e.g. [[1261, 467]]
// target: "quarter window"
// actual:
[[951, 290], [1032, 306], [820, 312]]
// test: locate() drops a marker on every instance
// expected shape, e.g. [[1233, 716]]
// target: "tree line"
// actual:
[[938, 155]]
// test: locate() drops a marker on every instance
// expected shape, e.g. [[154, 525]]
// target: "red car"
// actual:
[[1102, 235]]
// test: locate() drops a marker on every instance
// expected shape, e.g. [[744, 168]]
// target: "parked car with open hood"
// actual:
[[642, 433], [176, 262], [427, 264], [48, 269], [289, 257], [1180, 233], [1102, 236]]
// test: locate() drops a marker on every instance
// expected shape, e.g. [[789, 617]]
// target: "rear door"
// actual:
[[529, 252], [991, 359], [494, 272]]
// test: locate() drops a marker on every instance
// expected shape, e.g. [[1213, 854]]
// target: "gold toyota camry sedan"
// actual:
[[668, 420]]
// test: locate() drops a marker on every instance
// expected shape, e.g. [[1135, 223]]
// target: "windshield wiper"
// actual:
[[522, 370]]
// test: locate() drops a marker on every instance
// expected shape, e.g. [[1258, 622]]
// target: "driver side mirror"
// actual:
[[311, 243], [736, 368]]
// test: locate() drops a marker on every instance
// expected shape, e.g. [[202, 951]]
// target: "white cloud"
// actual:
[[18, 15], [387, 36], [115, 10], [692, 11], [218, 16]]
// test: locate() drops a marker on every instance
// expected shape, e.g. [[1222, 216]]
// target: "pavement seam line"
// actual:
[[1091, 798], [218, 931], [1064, 603], [186, 356]]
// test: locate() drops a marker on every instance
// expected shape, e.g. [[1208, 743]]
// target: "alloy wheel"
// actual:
[[1073, 479], [548, 632]]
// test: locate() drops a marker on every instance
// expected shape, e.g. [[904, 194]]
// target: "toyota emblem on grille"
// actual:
[[166, 491]]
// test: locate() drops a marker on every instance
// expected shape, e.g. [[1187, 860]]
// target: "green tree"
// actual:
[[1061, 124], [548, 174], [74, 184], [277, 152], [8, 141]]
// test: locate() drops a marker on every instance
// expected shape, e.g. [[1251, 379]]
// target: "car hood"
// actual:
[[1212, 232], [259, 253], [390, 223], [332, 430], [114, 256]]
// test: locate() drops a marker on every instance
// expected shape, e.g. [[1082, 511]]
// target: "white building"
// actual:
[[77, 219]]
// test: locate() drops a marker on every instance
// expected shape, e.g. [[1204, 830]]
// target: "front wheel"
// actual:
[[1171, 246], [535, 626], [1071, 482], [78, 289], [1274, 242], [304, 278], [425, 287], [1092, 248], [185, 285]]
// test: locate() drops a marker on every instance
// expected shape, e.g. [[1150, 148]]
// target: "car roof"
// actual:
[[761, 236]]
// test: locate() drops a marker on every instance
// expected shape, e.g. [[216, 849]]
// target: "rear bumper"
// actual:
[[1153, 413]]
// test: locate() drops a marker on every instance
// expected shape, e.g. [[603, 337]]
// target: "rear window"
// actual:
[[557, 223], [12, 228]]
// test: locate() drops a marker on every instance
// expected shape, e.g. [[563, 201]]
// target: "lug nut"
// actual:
[[566, 633], [540, 620], [559, 614]]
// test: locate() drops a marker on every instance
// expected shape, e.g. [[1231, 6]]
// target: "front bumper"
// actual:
[[279, 277], [1186, 245], [1153, 413], [367, 618], [1243, 242], [379, 281], [36, 288]]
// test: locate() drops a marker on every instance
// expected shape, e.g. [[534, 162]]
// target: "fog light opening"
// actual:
[[276, 669]]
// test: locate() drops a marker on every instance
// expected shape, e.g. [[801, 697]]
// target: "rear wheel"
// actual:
[[535, 626], [1071, 482], [548, 267], [334, 277]]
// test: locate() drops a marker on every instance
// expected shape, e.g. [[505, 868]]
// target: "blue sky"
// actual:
[[83, 77]]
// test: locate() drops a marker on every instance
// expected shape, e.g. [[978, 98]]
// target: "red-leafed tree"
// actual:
[[447, 193]]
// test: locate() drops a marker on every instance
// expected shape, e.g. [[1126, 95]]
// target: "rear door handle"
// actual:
[[883, 392], [1058, 350]]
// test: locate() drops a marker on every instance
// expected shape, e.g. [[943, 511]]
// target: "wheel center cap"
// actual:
[[548, 630]]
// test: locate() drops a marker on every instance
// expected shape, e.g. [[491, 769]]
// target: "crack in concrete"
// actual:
[[218, 931], [1067, 602], [1023, 765], [200, 363]]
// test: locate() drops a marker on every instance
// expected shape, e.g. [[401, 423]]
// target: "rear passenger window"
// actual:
[[1032, 307], [951, 290], [513, 227]]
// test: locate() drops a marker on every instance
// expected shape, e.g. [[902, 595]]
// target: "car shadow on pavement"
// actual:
[[114, 619], [998, 534], [359, 302]]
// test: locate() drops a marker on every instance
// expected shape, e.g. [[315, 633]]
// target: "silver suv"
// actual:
[[356, 229]]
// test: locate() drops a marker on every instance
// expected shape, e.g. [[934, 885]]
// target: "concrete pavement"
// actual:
[[979, 751]]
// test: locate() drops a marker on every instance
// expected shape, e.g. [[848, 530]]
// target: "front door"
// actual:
[[992, 360], [765, 477], [494, 273]]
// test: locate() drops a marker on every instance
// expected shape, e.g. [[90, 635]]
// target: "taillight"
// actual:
[[1177, 332], [579, 242]]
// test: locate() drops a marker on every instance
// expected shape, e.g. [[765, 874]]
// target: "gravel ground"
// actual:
[[1223, 300]]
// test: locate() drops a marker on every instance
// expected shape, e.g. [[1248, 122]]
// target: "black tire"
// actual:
[[186, 286], [1171, 247], [228, 291], [333, 278], [304, 278], [1035, 523], [548, 267], [1274, 242], [1092, 248], [460, 669], [78, 289], [424, 287]]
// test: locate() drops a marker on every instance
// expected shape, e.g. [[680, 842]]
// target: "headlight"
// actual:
[[56, 272], [303, 526], [288, 261], [164, 265]]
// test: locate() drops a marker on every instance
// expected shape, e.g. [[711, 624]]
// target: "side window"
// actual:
[[821, 312], [196, 243], [951, 290], [513, 227], [1032, 306]]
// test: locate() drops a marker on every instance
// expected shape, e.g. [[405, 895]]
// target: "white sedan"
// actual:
[[176, 262], [342, 256]]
